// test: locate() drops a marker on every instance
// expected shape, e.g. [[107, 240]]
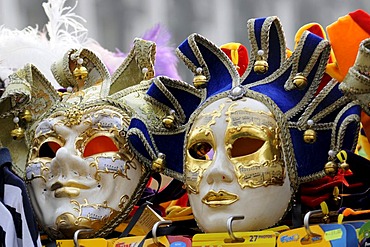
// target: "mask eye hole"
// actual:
[[100, 144], [244, 146], [202, 151], [48, 149]]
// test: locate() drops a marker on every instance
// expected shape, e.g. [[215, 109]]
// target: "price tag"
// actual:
[[333, 234], [255, 239]]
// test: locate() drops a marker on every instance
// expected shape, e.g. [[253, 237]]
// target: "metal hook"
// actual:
[[154, 230], [230, 230], [306, 222], [75, 236]]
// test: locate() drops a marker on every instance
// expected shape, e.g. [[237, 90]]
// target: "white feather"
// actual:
[[64, 25], [42, 48]]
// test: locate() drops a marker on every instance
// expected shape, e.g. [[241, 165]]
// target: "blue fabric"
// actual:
[[156, 93], [309, 47], [274, 50], [9, 178], [275, 89], [185, 48], [334, 94], [5, 158], [2, 236], [188, 101], [274, 56], [17, 220], [258, 23], [136, 141], [220, 76], [172, 146], [310, 158]]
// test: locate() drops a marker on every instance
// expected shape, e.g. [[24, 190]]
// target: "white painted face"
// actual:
[[80, 172], [234, 167]]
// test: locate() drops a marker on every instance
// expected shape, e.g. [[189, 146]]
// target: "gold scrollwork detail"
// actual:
[[258, 175]]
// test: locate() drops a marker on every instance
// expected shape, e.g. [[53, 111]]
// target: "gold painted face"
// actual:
[[251, 142], [234, 166], [81, 174]]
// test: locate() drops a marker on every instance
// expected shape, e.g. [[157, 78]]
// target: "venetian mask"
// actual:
[[234, 161], [80, 171]]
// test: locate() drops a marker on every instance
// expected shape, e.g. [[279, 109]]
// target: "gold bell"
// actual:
[[331, 168], [159, 163], [344, 166], [27, 116], [80, 72], [17, 133], [200, 81], [260, 66], [300, 81], [309, 136], [168, 121]]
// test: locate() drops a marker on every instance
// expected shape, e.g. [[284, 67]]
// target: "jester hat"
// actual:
[[333, 116]]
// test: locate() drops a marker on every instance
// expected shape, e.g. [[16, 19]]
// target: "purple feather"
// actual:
[[165, 58]]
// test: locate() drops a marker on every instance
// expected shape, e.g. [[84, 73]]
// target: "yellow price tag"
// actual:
[[256, 239], [333, 234], [94, 242]]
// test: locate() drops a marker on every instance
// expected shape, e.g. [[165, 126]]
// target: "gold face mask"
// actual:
[[251, 142], [234, 166]]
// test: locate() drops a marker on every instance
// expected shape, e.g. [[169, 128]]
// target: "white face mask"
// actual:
[[234, 166], [80, 171]]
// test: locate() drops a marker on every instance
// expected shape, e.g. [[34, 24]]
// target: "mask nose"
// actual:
[[67, 164], [220, 171]]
